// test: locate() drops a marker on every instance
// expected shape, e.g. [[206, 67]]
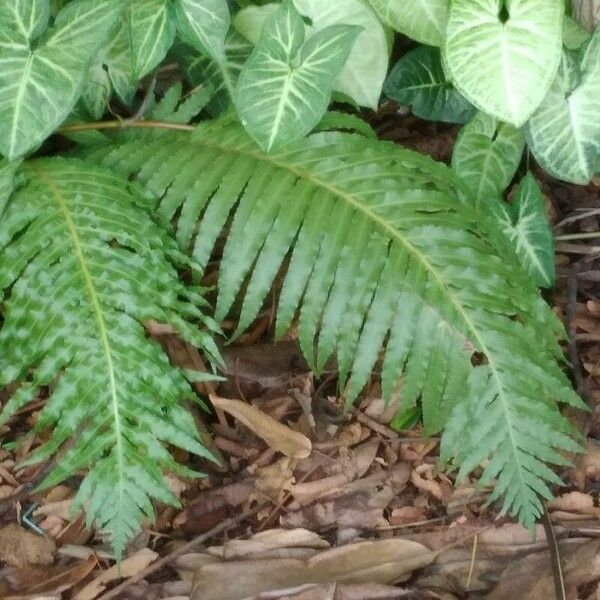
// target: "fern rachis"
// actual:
[[383, 251]]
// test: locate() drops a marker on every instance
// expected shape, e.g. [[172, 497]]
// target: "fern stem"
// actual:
[[123, 124]]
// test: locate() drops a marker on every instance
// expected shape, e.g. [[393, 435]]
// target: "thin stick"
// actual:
[[589, 235], [557, 571], [123, 124], [472, 565], [165, 560]]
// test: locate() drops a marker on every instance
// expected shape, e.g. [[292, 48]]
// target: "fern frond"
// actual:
[[382, 253], [83, 267]]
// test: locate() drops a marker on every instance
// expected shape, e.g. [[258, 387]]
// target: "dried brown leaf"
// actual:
[[279, 437], [379, 562], [19, 547], [127, 568], [532, 575]]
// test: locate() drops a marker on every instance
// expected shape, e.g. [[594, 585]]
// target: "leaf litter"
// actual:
[[308, 502]]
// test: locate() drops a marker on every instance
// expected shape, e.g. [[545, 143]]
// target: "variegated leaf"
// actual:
[[502, 55], [421, 20], [486, 156], [564, 133], [285, 87], [39, 84], [203, 24], [152, 32], [525, 223]]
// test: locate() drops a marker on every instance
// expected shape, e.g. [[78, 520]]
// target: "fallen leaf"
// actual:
[[48, 580], [574, 502], [269, 540], [127, 568], [373, 562], [279, 437], [359, 510], [272, 480], [213, 506], [427, 484], [19, 547], [532, 575]]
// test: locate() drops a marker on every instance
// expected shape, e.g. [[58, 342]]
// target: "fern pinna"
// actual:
[[382, 249], [83, 267]]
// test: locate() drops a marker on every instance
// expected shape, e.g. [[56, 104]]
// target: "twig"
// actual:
[[472, 565], [124, 123], [572, 328], [165, 560], [557, 571]]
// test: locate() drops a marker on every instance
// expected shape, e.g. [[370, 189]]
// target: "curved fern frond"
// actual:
[[83, 267], [382, 253]]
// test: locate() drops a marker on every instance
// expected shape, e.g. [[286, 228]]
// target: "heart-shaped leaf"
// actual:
[[363, 74], [564, 133], [421, 20], [203, 24], [249, 20], [41, 78], [525, 223], [152, 31], [285, 87], [502, 55], [486, 156], [418, 80]]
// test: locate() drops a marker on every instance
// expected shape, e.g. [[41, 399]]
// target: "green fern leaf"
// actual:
[[382, 252], [83, 266]]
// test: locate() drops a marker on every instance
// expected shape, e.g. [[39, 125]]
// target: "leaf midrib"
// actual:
[[395, 234], [99, 318]]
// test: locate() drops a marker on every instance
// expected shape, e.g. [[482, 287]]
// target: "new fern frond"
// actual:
[[384, 252], [83, 267]]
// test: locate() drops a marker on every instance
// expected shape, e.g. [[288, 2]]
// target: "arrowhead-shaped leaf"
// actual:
[[152, 32], [502, 55], [564, 133], [40, 82], [421, 20], [285, 87], [363, 74], [418, 80], [203, 24], [525, 223], [486, 156]]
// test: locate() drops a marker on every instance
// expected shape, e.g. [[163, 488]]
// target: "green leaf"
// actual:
[[41, 78], [174, 108], [525, 223], [418, 80], [250, 20], [574, 35], [504, 63], [285, 87], [7, 180], [421, 20], [84, 267], [362, 76], [382, 259], [111, 70], [151, 31], [221, 77], [486, 156], [564, 133], [203, 24]]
